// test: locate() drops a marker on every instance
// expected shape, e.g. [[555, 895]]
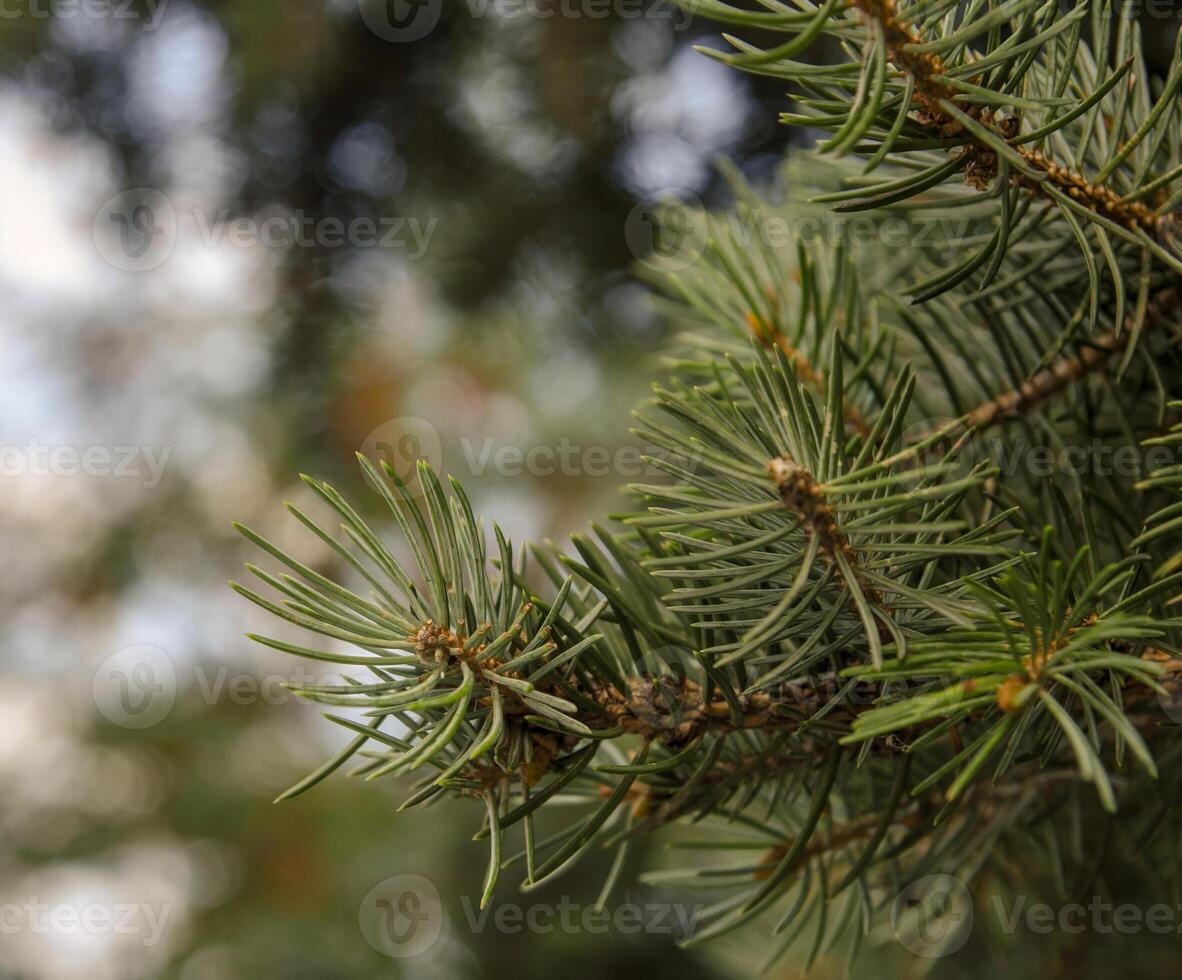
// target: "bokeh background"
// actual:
[[184, 329]]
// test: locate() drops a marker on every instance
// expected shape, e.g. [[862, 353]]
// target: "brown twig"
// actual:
[[803, 496], [678, 712], [1050, 381], [771, 336]]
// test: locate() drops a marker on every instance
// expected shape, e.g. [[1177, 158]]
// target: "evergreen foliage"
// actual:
[[855, 633]]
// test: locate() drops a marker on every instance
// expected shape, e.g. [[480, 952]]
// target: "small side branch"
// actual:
[[929, 73], [803, 496], [1162, 309], [770, 336]]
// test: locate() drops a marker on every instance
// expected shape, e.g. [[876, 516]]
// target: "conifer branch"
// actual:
[[806, 585], [1162, 311], [769, 335], [933, 94], [805, 498]]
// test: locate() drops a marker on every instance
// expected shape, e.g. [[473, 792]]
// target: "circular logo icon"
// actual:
[[401, 443], [933, 916], [401, 916], [401, 21], [135, 687], [135, 230], [667, 231]]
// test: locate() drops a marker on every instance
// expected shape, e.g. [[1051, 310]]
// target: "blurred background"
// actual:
[[242, 241]]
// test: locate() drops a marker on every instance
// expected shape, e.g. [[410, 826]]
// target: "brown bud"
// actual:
[[1007, 693]]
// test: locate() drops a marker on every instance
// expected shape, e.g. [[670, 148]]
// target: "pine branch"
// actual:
[[1163, 310], [769, 335], [805, 498], [934, 94], [965, 92], [810, 585]]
